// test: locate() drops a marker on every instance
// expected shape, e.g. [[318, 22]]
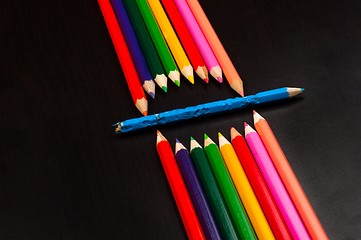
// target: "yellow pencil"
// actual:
[[244, 189], [172, 39]]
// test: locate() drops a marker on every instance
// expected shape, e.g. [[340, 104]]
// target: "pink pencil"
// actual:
[[200, 40], [279, 193]]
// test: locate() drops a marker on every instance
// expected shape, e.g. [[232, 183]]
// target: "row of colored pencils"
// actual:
[[243, 189], [156, 39]]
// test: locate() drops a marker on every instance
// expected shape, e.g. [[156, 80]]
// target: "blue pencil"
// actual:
[[133, 45], [196, 192], [206, 109]]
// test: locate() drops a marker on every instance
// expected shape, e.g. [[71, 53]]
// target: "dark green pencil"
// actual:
[[236, 210], [210, 187], [146, 44], [160, 44]]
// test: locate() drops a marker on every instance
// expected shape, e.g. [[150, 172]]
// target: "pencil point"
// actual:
[[177, 141], [191, 79], [237, 85], [177, 82], [165, 89], [142, 105], [234, 133], [216, 72], [187, 71], [161, 81], [160, 137], [248, 129], [174, 75], [194, 144], [245, 124], [222, 140], [205, 136], [256, 117], [202, 73], [152, 95], [294, 91]]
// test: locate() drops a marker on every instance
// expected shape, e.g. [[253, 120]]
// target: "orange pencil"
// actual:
[[289, 179], [125, 59], [227, 66]]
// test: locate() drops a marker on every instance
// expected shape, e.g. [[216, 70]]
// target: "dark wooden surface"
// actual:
[[65, 175]]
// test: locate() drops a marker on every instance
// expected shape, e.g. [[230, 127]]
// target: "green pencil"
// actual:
[[236, 210], [146, 43], [159, 42], [210, 187]]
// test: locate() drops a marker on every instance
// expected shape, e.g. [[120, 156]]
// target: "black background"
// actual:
[[65, 175]]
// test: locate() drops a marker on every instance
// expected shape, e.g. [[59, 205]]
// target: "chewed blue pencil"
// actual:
[[206, 109]]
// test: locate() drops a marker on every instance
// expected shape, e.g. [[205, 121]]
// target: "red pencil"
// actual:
[[186, 39], [259, 186], [179, 190], [124, 57]]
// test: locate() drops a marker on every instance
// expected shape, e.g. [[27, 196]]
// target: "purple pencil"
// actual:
[[134, 48], [274, 182], [196, 192]]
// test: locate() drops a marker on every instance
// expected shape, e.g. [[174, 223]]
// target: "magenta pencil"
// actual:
[[274, 182], [200, 40]]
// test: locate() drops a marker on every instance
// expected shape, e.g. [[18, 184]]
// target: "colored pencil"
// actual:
[[146, 44], [214, 196], [227, 66], [186, 39], [236, 210], [179, 190], [260, 188], [159, 42], [274, 183], [196, 192], [124, 57], [172, 40], [206, 109], [201, 42], [244, 189], [137, 55], [289, 178]]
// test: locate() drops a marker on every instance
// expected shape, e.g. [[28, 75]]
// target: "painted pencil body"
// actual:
[[227, 66], [179, 190], [264, 196], [124, 57], [214, 196], [186, 39], [241, 222], [134, 48], [172, 40], [146, 43], [196, 192], [159, 42], [279, 192], [206, 109], [244, 189], [289, 179], [201, 42]]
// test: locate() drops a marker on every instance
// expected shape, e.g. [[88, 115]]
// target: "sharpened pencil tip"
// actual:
[[152, 95], [191, 79], [245, 124], [165, 89], [177, 82], [302, 89], [177, 141], [205, 136], [220, 134], [220, 79], [192, 139]]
